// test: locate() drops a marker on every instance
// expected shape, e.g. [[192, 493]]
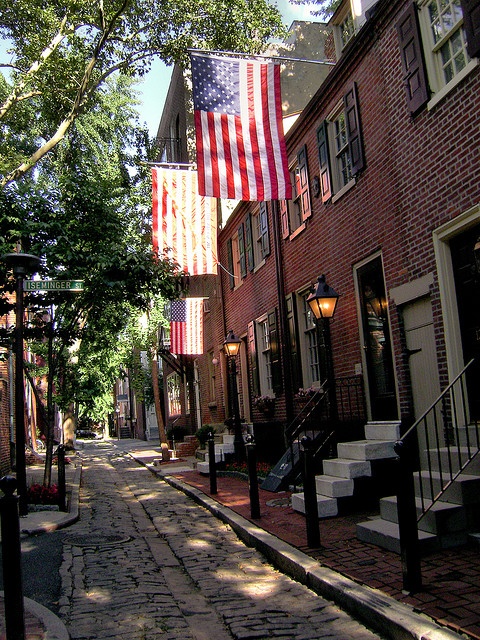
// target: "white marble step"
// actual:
[[344, 468], [327, 507], [333, 487], [366, 449]]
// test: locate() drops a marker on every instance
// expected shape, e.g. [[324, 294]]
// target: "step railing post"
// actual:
[[12, 561], [407, 520], [252, 477], [212, 466], [310, 494]]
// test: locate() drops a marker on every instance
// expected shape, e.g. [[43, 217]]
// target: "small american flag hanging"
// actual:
[[186, 326], [241, 152]]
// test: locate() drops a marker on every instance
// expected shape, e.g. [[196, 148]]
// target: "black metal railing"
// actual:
[[433, 453], [326, 425]]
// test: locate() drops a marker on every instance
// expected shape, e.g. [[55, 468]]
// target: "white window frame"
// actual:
[[262, 337], [432, 54], [174, 390], [309, 344], [342, 179], [294, 206], [256, 221]]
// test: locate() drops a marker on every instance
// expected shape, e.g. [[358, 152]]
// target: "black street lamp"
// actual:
[[21, 265], [231, 346], [323, 303]]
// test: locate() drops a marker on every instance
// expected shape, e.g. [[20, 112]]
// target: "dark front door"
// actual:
[[376, 333], [465, 251]]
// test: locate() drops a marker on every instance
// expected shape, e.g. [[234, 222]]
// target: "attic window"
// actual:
[[343, 24]]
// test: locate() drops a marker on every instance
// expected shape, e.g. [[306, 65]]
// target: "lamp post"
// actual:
[[323, 303], [231, 346], [21, 265]]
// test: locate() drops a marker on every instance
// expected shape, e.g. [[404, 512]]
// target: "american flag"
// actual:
[[184, 223], [186, 326], [241, 151]]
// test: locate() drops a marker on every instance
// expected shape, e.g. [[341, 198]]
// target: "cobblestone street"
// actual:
[[146, 562]]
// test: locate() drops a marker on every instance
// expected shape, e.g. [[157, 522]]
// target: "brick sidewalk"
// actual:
[[451, 579]]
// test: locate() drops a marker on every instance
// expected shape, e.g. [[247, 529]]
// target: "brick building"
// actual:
[[384, 161]]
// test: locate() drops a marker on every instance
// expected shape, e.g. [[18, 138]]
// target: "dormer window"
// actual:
[[343, 26]]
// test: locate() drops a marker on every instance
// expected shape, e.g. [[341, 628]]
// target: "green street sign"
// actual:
[[53, 285]]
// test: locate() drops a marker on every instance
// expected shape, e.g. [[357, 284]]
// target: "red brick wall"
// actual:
[[420, 173]]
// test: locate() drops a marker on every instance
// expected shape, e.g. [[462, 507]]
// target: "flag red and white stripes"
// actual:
[[186, 326], [184, 223], [241, 152]]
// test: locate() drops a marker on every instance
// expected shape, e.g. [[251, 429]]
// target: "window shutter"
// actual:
[[252, 358], [324, 160], [275, 352], [303, 188], [241, 251], [265, 239], [284, 218], [293, 333], [249, 241], [230, 263], [354, 130], [471, 21], [414, 75]]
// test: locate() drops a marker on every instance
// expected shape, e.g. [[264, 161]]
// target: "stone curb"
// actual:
[[374, 608]]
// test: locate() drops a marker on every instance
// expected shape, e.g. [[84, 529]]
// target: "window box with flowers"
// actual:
[[305, 395], [265, 404]]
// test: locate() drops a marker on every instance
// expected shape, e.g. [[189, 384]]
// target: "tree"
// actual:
[[326, 8], [65, 51]]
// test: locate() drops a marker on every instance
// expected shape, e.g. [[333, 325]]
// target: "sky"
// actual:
[[153, 89]]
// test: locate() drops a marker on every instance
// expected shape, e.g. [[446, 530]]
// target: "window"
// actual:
[[264, 355], [236, 258], [340, 146], [173, 394], [265, 361], [257, 241], [433, 38], [309, 339], [343, 26], [294, 212]]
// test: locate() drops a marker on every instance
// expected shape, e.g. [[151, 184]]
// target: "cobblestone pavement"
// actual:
[[146, 562]]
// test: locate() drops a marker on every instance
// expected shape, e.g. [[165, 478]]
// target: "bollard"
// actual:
[[62, 491], [12, 561], [407, 520], [310, 494], [252, 477], [212, 468]]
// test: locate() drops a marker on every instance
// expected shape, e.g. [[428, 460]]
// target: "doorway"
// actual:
[[380, 378]]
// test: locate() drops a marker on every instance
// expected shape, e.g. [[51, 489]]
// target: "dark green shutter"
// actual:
[[265, 239], [324, 161], [249, 241], [252, 359], [471, 22], [241, 251], [275, 351], [283, 206], [293, 333], [230, 263], [414, 75], [354, 132]]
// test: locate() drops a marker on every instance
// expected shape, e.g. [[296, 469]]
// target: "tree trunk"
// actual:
[[158, 410]]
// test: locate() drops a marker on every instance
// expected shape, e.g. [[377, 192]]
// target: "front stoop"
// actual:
[[445, 525], [343, 476], [224, 445]]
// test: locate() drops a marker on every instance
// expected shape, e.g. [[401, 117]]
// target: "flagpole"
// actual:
[[259, 55], [167, 164]]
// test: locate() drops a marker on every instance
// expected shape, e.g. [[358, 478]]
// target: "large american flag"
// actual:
[[184, 223], [186, 326], [241, 151]]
